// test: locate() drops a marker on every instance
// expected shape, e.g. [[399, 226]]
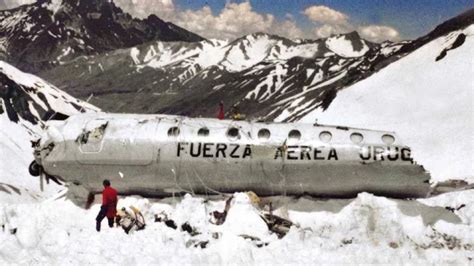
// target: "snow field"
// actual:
[[368, 229]]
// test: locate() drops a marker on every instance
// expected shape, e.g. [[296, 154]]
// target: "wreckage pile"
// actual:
[[275, 224]]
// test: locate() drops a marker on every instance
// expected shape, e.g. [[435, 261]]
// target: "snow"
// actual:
[[281, 51], [343, 47], [273, 84], [191, 58], [28, 26], [16, 154], [134, 52], [390, 48], [211, 54], [54, 6], [166, 56], [65, 52], [367, 229], [428, 103], [286, 113], [247, 52], [55, 98], [11, 21], [52, 35]]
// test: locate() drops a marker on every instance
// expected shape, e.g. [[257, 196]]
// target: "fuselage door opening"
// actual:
[[92, 136]]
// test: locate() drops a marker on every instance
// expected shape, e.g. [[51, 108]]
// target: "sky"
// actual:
[[375, 20]]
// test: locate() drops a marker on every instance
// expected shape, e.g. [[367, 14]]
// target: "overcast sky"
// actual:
[[375, 20]]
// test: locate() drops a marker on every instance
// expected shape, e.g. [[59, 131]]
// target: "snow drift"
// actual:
[[367, 229]]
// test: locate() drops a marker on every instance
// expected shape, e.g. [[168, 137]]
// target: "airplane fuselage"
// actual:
[[156, 155]]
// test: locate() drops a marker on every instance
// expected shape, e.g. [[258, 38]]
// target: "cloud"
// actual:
[[378, 33], [164, 9], [325, 15], [330, 22], [328, 30], [287, 28], [238, 19], [233, 21]]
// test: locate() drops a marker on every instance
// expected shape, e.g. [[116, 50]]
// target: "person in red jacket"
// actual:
[[221, 114], [109, 205]]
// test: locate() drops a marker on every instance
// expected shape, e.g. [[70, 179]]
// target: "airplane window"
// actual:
[[357, 138], [173, 132], [203, 132], [325, 136], [233, 133], [264, 133], [388, 139], [294, 134]]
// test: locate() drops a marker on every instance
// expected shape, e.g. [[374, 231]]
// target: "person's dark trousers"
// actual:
[[111, 222], [101, 216]]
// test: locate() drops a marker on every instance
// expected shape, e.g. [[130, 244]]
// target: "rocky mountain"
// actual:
[[40, 35], [264, 76], [259, 73]]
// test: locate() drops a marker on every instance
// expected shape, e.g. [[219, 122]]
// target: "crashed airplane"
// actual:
[[159, 155]]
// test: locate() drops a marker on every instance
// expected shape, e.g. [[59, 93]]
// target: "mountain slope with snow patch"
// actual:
[[349, 45], [260, 73]]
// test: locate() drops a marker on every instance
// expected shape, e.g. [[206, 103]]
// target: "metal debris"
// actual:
[[276, 224], [219, 217]]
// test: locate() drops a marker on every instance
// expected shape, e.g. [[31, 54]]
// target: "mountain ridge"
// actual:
[[266, 75], [220, 71], [39, 35]]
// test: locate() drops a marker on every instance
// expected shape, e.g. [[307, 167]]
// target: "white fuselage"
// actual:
[[155, 155]]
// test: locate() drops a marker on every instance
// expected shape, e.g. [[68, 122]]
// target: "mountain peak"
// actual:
[[347, 45], [353, 35], [62, 29]]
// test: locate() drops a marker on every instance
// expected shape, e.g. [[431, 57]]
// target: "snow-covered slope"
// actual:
[[349, 45], [25, 100], [28, 97], [426, 98]]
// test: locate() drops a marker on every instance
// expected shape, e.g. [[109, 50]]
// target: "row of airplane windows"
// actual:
[[264, 134]]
